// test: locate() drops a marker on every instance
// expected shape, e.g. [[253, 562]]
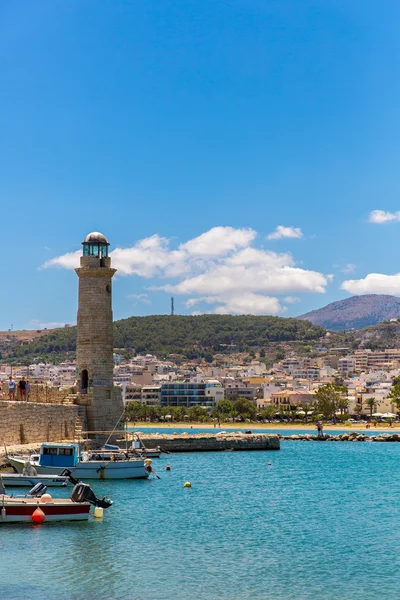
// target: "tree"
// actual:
[[197, 413], [371, 403], [268, 412], [327, 399], [394, 395], [308, 409], [245, 408], [134, 410], [342, 404], [223, 408]]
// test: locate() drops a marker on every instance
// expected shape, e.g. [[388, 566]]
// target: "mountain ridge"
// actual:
[[355, 312], [192, 336]]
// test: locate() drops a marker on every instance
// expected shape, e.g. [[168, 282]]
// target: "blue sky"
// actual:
[[187, 132]]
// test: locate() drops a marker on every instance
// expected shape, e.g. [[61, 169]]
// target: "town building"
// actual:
[[190, 394]]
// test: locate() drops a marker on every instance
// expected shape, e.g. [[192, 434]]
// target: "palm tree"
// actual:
[[308, 408], [268, 412], [372, 403], [358, 409], [342, 404]]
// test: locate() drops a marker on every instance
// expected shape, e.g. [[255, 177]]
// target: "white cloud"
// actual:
[[242, 304], [373, 283], [66, 261], [381, 216], [219, 241], [291, 300], [252, 270], [285, 232], [221, 261], [143, 298], [349, 268]]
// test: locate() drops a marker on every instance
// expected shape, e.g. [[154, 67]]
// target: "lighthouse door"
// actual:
[[84, 381]]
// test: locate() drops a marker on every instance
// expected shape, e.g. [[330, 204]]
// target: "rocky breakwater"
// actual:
[[206, 442], [352, 436]]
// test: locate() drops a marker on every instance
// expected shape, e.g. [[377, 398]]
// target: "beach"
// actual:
[[249, 426]]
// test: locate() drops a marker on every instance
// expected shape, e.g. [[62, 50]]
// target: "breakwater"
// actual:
[[352, 436], [206, 442]]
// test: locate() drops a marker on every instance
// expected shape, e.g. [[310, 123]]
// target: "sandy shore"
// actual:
[[184, 425]]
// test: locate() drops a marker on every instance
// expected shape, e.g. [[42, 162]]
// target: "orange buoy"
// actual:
[[46, 498], [167, 468], [38, 515]]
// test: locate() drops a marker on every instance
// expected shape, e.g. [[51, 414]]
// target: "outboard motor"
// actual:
[[67, 473], [38, 490], [82, 492]]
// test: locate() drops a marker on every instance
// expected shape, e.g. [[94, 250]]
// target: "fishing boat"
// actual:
[[38, 506], [97, 464]]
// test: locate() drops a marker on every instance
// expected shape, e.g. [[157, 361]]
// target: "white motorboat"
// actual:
[[20, 480], [97, 464]]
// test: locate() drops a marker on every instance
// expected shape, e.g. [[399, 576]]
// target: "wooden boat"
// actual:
[[39, 507], [97, 464]]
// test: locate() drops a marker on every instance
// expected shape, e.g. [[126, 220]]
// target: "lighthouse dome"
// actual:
[[95, 238], [95, 244]]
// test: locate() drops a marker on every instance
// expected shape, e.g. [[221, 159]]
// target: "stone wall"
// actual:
[[28, 422], [40, 392], [207, 442]]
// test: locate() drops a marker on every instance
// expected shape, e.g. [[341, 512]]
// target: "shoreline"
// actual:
[[233, 426]]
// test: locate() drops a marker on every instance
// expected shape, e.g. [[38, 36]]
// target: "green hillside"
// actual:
[[164, 334]]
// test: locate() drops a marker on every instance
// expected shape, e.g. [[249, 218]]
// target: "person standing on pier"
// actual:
[[11, 388], [22, 389], [320, 429]]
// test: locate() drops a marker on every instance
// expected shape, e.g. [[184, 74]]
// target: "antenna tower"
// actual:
[[172, 306]]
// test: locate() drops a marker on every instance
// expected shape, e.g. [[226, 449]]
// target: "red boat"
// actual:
[[39, 507]]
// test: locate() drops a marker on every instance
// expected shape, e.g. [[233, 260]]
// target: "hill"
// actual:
[[193, 337], [356, 312]]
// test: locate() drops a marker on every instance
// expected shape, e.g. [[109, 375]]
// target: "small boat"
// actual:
[[97, 464], [137, 449], [39, 507], [148, 452], [20, 480]]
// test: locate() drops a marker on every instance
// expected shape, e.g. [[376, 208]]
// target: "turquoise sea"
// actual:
[[322, 521]]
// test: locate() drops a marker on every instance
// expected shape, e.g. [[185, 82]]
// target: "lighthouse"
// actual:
[[94, 342]]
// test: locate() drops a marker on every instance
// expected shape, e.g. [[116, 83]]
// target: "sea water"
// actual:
[[321, 521]]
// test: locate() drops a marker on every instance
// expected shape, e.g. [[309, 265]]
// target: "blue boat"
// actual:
[[97, 464]]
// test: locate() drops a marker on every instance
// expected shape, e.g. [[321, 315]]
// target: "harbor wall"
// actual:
[[211, 443], [29, 422]]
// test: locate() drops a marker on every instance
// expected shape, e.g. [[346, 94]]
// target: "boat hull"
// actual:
[[91, 469], [149, 453], [19, 480], [14, 510]]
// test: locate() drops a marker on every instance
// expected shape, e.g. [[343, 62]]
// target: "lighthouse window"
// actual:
[[108, 288]]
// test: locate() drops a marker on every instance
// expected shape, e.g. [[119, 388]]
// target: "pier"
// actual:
[[207, 442], [351, 436]]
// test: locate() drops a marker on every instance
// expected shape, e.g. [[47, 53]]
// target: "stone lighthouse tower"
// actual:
[[94, 344]]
